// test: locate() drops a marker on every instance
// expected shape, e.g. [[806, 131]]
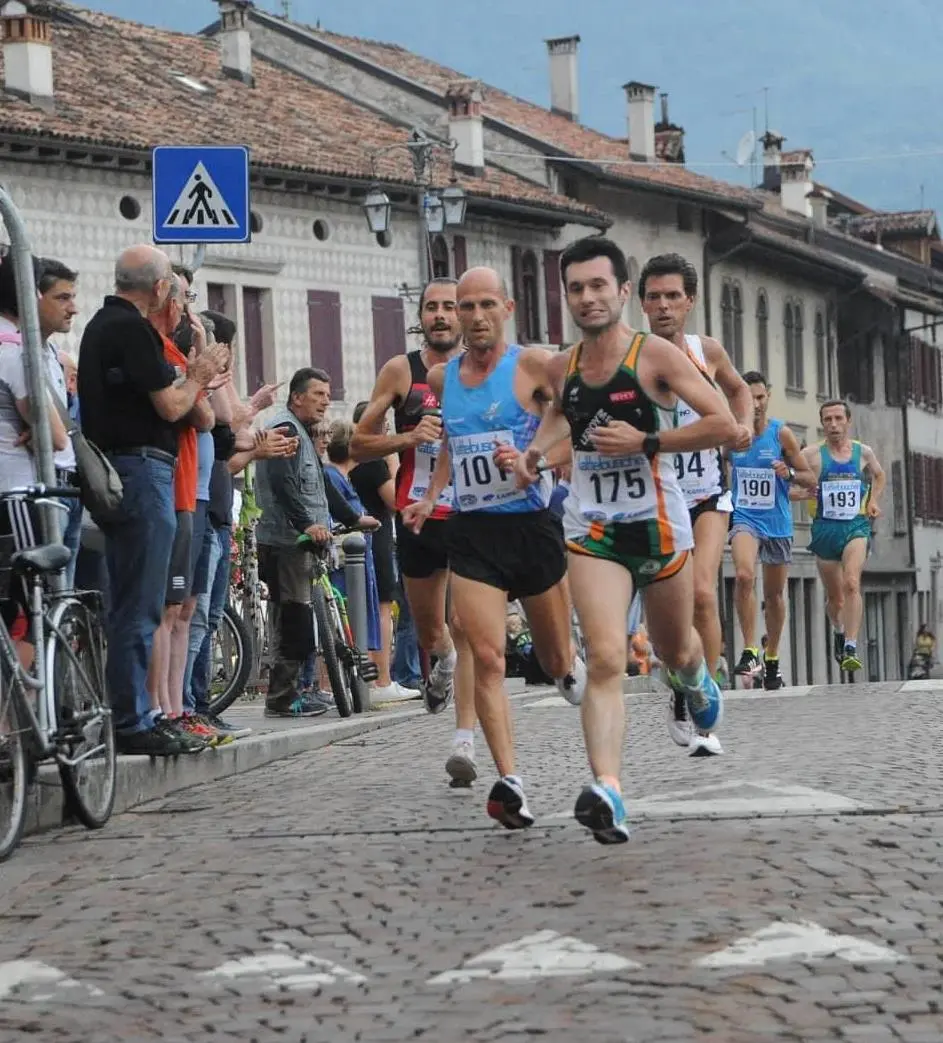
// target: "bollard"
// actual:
[[354, 547]]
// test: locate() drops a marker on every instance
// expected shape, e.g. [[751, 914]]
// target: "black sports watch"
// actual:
[[651, 445]]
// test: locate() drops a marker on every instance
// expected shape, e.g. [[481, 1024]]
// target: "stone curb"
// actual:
[[141, 779]]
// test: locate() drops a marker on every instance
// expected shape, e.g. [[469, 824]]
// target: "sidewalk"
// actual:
[[142, 779]]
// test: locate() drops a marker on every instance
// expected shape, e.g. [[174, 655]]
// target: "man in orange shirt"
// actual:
[[164, 701]]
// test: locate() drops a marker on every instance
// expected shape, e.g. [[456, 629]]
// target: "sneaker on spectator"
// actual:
[[153, 743], [322, 698], [393, 693], [213, 734], [188, 742], [224, 727], [294, 706]]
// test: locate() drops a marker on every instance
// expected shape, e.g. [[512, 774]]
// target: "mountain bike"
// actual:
[[348, 669], [56, 708]]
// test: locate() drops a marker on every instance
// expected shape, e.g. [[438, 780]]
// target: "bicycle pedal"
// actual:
[[369, 671]]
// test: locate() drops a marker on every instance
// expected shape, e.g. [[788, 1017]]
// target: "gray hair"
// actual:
[[140, 278]]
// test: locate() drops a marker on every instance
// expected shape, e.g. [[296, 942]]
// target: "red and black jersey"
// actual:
[[416, 466]]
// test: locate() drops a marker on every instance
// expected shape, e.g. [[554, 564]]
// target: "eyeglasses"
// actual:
[[190, 296], [322, 432]]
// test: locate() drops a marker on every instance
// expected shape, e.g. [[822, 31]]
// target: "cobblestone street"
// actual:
[[788, 890]]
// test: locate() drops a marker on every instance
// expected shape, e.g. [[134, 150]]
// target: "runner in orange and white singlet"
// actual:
[[402, 385]]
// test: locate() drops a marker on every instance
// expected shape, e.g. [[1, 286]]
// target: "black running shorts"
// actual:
[[522, 553], [421, 556]]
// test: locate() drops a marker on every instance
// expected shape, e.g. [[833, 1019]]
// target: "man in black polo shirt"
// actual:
[[131, 399]]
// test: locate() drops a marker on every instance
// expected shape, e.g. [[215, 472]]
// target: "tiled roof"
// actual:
[[558, 132], [908, 222], [114, 85]]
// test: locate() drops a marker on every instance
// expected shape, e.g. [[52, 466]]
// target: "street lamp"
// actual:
[[377, 207], [434, 210]]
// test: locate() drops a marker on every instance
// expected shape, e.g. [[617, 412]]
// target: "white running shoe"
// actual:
[[679, 724], [437, 692], [704, 745], [461, 766], [394, 693], [573, 685]]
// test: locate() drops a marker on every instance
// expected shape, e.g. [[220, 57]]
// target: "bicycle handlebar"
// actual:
[[39, 492]]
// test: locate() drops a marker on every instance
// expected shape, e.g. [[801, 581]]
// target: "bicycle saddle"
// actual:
[[50, 558]]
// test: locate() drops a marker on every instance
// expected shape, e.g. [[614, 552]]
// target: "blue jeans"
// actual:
[[137, 553], [72, 536], [196, 696], [406, 669], [199, 621]]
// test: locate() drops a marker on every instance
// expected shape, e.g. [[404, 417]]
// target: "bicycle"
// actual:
[[231, 663], [348, 669], [59, 711]]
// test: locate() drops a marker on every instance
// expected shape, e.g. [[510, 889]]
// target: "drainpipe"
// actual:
[[707, 264]]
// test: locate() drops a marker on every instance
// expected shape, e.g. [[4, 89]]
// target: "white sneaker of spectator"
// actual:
[[394, 693]]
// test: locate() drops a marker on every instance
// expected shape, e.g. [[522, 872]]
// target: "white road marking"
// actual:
[[797, 941], [36, 982], [279, 967], [542, 955]]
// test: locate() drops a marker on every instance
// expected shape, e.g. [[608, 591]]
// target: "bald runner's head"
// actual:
[[483, 308]]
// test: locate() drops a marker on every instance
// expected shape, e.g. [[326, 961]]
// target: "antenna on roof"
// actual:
[[286, 9], [745, 148]]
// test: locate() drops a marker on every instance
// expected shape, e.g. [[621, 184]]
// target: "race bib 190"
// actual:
[[756, 488], [478, 481]]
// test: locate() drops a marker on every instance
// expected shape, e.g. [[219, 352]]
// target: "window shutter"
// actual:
[[517, 286], [389, 329], [937, 381], [920, 486], [459, 256], [216, 297], [252, 338], [554, 292], [325, 337]]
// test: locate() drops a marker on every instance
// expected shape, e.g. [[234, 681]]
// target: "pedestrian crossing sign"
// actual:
[[201, 194]]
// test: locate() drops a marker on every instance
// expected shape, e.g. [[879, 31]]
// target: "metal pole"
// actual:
[[21, 255], [422, 235], [355, 579]]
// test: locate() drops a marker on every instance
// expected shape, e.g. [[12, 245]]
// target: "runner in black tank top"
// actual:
[[402, 385]]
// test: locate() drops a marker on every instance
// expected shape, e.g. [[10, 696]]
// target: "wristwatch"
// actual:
[[651, 445], [542, 464], [792, 474]]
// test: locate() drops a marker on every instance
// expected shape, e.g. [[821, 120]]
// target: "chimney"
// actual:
[[235, 43], [819, 203], [641, 99], [564, 78], [796, 175], [466, 127], [27, 53], [772, 155], [669, 137]]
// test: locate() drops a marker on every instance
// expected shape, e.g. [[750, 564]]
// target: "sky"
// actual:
[[863, 93]]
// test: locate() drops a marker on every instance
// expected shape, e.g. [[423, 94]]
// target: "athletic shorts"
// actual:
[[830, 538], [422, 556], [180, 573], [719, 502], [633, 545], [774, 550], [384, 566], [521, 553], [20, 529]]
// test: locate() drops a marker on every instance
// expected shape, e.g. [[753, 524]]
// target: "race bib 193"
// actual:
[[756, 488], [478, 481], [841, 499], [613, 488]]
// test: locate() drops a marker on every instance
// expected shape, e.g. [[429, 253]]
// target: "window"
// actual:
[[926, 386], [389, 328], [900, 501], [821, 356], [460, 255], [553, 289], [685, 217], [726, 319], [762, 333], [736, 345], [525, 277], [893, 378], [325, 338], [927, 485], [792, 323], [253, 343], [439, 252], [636, 315]]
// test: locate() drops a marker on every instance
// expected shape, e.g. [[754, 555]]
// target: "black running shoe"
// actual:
[[508, 805], [838, 646], [772, 678], [748, 662], [157, 742]]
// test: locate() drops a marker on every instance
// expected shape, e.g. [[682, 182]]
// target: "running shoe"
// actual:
[[461, 766], [224, 727], [704, 744], [749, 661], [297, 706], [679, 725], [187, 741], [772, 678], [600, 809], [838, 646], [705, 704], [573, 685], [850, 661], [508, 805], [196, 725], [437, 691]]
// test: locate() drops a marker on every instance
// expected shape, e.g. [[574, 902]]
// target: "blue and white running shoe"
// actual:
[[705, 704], [600, 809]]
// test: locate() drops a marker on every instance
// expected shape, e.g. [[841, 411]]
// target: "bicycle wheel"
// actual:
[[329, 643], [13, 771], [85, 738], [230, 661]]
